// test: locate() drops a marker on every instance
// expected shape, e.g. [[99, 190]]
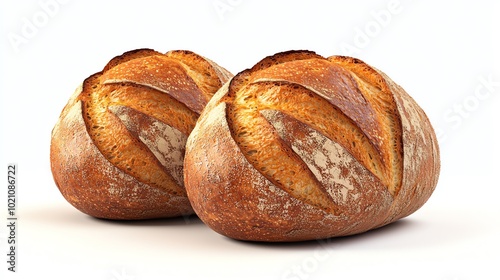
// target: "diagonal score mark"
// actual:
[[164, 74], [121, 146], [203, 71], [376, 88], [153, 103]]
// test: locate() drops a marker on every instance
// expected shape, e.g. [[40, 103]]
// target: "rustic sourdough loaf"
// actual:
[[304, 147], [117, 149]]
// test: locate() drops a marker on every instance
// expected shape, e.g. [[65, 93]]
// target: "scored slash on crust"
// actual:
[[362, 108]]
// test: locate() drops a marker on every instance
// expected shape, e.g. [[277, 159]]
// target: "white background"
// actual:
[[444, 54]]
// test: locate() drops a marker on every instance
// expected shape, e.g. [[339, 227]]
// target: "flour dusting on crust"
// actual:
[[343, 177], [165, 142]]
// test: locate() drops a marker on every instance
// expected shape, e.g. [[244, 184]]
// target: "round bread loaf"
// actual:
[[303, 147], [118, 147]]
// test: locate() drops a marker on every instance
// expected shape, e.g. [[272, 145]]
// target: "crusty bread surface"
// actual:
[[118, 147], [303, 147]]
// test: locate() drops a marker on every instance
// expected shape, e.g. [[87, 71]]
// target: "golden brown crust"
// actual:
[[117, 149], [304, 147]]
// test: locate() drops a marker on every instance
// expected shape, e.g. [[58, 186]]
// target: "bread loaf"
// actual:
[[303, 147], [117, 149]]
